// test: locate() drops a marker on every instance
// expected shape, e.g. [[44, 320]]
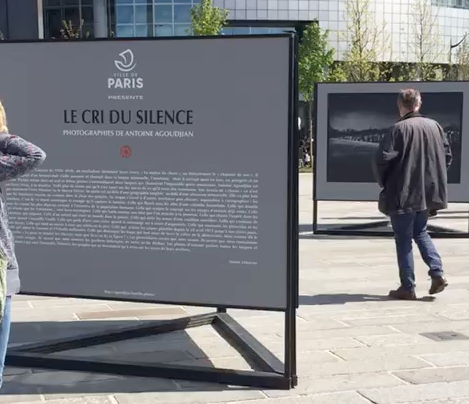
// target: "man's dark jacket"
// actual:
[[411, 166]]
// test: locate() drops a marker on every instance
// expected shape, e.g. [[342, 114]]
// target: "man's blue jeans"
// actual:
[[408, 227], [4, 336]]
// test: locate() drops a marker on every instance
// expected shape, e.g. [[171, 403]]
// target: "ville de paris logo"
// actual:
[[127, 64]]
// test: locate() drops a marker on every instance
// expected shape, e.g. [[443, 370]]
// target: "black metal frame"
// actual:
[[298, 26], [270, 371], [365, 229]]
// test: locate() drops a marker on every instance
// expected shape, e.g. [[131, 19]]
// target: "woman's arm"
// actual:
[[18, 157]]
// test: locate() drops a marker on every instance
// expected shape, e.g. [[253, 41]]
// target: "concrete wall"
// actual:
[[18, 19]]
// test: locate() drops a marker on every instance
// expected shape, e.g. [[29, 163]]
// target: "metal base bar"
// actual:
[[434, 228], [364, 226], [365, 230], [244, 342], [270, 375], [158, 370], [115, 335]]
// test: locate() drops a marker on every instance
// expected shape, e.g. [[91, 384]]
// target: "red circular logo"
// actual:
[[126, 151]]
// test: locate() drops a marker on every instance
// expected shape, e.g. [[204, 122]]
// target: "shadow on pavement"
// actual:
[[453, 212], [341, 237], [176, 348], [342, 298], [449, 214], [364, 218], [306, 232]]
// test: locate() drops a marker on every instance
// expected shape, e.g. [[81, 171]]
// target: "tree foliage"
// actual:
[[70, 31], [207, 19], [426, 41], [315, 59], [401, 71], [367, 44], [462, 61]]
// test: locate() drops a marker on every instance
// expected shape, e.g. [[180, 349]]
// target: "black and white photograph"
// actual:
[[358, 121]]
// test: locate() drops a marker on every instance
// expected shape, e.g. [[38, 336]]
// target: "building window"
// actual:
[[124, 15], [143, 14], [164, 30], [164, 14], [255, 30], [182, 29], [452, 3], [182, 13], [133, 18], [73, 12], [141, 18]]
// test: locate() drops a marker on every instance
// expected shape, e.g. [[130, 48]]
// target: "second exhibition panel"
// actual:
[[352, 118]]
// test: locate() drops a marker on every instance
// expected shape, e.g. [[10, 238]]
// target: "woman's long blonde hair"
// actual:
[[3, 119]]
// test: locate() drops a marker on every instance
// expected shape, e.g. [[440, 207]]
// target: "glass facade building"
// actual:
[[449, 20], [141, 18], [452, 3], [74, 11], [131, 18]]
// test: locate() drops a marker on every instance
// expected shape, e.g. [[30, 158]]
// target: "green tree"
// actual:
[[207, 19], [315, 60], [337, 72], [401, 71], [368, 43], [426, 41]]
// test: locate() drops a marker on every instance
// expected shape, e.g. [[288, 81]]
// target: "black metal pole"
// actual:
[[7, 36], [292, 262], [315, 158], [296, 177], [315, 215], [296, 260]]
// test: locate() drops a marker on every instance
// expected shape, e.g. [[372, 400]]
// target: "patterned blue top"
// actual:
[[17, 157]]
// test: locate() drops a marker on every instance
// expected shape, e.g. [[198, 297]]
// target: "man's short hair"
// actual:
[[410, 98]]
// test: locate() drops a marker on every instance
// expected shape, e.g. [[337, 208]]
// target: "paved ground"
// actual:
[[355, 346]]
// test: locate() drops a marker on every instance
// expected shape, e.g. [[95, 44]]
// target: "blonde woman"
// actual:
[[17, 157]]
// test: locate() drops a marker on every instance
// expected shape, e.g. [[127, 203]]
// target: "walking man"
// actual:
[[411, 168]]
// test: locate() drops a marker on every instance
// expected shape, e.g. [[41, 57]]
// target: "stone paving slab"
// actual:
[[412, 394], [355, 345], [329, 398], [68, 400], [434, 375]]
